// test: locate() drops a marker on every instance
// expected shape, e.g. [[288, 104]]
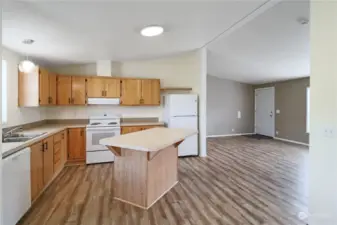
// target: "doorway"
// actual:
[[264, 111]]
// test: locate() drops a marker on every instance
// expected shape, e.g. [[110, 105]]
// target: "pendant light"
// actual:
[[27, 66]]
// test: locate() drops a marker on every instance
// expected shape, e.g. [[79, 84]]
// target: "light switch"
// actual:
[[239, 114], [278, 111]]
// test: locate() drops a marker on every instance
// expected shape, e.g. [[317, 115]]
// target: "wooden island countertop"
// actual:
[[150, 140], [146, 164]]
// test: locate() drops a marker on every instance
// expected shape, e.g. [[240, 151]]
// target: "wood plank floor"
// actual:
[[242, 181]]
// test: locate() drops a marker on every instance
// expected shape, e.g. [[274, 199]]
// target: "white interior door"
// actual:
[[264, 111]]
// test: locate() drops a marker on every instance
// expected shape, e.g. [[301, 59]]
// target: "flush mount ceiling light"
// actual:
[[27, 66], [151, 31]]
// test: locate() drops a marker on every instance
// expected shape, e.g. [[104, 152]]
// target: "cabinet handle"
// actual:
[[82, 132], [102, 93], [62, 135], [42, 149], [69, 101], [105, 93]]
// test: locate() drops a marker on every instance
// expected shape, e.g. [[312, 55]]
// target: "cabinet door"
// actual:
[[131, 92], [150, 92], [78, 90], [52, 89], [63, 90], [48, 159], [36, 169], [64, 146], [112, 88], [96, 87], [127, 130], [57, 152], [44, 87], [76, 144]]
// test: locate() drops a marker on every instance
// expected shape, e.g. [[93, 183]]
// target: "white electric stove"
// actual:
[[100, 127]]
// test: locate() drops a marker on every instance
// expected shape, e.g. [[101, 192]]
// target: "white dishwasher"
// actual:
[[16, 199]]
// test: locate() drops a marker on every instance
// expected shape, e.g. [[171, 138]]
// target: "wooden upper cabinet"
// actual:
[[37, 88], [63, 90], [52, 88], [36, 169], [112, 88], [44, 87], [96, 87], [150, 92], [76, 144], [48, 159], [102, 87], [131, 92], [78, 90], [28, 88]]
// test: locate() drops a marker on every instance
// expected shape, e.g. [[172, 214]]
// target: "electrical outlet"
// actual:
[[239, 114], [276, 132], [278, 111], [329, 132]]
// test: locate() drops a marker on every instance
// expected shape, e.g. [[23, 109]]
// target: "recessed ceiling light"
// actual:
[[151, 31], [28, 41]]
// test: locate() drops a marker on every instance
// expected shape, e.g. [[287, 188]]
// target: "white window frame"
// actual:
[[308, 110], [4, 83]]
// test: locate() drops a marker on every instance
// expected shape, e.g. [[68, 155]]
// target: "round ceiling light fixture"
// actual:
[[27, 66], [151, 31]]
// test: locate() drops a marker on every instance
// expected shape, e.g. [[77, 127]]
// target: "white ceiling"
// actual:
[[80, 32], [273, 46]]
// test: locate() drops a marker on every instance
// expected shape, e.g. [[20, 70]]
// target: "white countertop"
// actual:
[[130, 124], [48, 129], [149, 140]]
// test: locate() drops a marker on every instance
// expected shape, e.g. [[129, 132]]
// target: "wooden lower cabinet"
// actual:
[[48, 159], [36, 169], [76, 145], [58, 148], [131, 129]]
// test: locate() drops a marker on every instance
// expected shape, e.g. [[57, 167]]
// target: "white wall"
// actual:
[[323, 149], [1, 131], [16, 115]]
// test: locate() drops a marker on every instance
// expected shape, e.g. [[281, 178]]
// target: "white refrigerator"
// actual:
[[181, 111]]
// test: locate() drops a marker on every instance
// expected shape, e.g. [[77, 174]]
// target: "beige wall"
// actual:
[[16, 115], [323, 116], [224, 99], [290, 99]]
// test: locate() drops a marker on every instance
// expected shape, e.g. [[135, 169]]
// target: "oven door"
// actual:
[[95, 134]]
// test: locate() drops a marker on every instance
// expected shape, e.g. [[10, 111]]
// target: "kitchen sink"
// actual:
[[22, 137]]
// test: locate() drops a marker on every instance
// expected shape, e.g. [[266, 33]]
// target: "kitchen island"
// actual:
[[146, 164]]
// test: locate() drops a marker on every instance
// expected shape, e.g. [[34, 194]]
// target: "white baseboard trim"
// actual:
[[228, 135], [290, 141]]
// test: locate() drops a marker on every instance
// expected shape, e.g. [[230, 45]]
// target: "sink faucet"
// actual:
[[10, 132]]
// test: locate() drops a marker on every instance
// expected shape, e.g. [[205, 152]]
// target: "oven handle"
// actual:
[[103, 129]]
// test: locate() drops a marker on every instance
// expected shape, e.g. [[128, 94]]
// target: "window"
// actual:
[[4, 91], [308, 109]]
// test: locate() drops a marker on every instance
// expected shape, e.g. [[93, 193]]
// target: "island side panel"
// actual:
[[162, 173], [130, 171]]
